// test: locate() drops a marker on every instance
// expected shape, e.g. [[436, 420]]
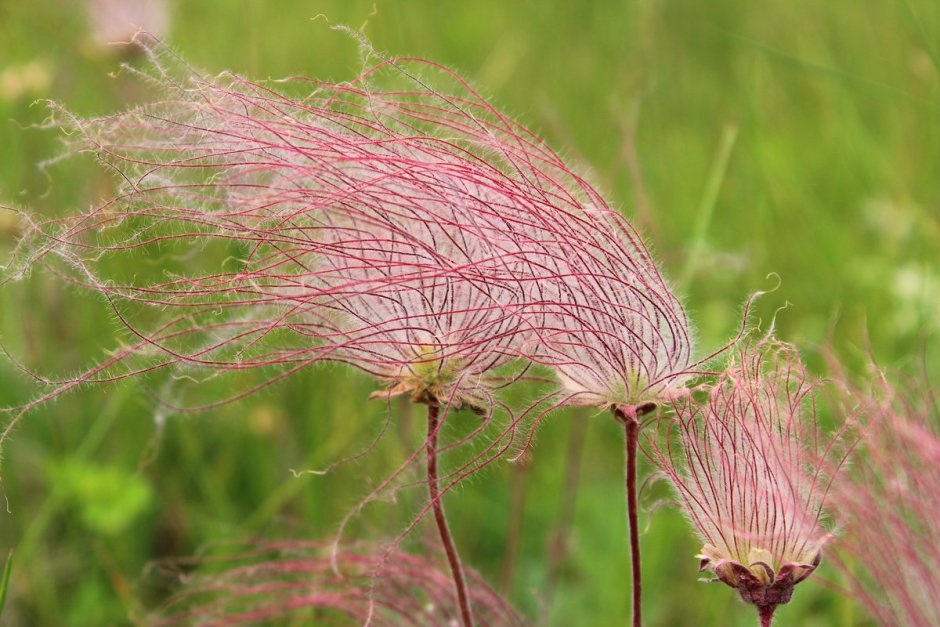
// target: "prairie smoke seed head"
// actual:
[[751, 471], [610, 326], [366, 225]]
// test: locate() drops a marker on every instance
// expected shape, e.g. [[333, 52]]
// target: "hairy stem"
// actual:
[[766, 614], [456, 568], [628, 416]]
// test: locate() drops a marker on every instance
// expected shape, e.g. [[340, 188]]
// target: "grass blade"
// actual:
[[5, 582]]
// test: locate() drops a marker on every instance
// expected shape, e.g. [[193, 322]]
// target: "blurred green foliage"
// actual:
[[108, 499], [790, 137]]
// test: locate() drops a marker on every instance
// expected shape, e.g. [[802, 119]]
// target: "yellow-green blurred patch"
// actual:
[[108, 498]]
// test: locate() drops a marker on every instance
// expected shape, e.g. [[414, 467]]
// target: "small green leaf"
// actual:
[[5, 582]]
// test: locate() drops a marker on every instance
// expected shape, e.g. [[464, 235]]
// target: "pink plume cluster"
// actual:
[[608, 323], [748, 465], [399, 223], [889, 502], [361, 584]]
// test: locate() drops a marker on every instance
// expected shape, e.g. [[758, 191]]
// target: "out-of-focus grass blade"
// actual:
[[709, 198], [924, 35], [7, 569]]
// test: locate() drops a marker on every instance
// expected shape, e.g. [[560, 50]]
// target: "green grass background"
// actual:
[[792, 137]]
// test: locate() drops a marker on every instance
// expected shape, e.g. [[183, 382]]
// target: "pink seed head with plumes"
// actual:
[[888, 503], [366, 223], [746, 465], [415, 301], [610, 325]]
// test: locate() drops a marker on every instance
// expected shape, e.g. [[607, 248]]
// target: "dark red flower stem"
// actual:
[[629, 416], [456, 568], [766, 614]]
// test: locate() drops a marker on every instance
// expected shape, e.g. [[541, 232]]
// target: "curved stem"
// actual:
[[456, 568], [631, 425]]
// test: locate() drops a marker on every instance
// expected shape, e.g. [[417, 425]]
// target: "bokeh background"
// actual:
[[799, 138]]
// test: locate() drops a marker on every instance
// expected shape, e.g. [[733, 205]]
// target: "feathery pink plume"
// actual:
[[385, 187], [356, 236], [750, 467]]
